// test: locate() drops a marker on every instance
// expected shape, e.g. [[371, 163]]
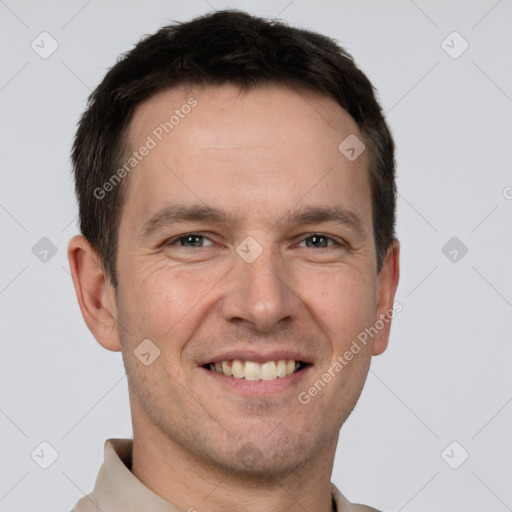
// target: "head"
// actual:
[[223, 219]]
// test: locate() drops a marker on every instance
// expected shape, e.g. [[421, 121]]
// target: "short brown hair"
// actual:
[[224, 47]]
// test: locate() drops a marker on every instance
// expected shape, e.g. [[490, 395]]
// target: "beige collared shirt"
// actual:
[[118, 490]]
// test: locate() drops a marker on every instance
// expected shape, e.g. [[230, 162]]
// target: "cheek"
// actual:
[[342, 298], [165, 300]]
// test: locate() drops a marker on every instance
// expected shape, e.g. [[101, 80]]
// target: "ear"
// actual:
[[387, 282], [95, 293]]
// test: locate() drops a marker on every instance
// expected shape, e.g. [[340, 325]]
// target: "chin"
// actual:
[[273, 456]]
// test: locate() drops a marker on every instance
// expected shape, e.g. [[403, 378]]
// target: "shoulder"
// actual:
[[362, 508], [343, 505], [86, 504]]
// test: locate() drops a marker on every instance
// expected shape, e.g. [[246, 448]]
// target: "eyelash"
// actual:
[[171, 241]]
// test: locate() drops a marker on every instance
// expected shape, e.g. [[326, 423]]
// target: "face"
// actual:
[[246, 247]]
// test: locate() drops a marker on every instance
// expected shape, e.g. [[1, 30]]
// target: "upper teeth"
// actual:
[[255, 371]]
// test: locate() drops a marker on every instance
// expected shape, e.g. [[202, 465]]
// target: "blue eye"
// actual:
[[319, 241], [189, 240], [197, 240]]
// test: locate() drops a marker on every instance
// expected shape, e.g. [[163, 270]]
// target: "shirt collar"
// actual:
[[117, 488]]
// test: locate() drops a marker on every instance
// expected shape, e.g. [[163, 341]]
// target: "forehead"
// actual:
[[271, 144], [266, 108]]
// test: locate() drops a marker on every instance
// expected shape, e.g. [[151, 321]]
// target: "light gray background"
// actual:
[[446, 374]]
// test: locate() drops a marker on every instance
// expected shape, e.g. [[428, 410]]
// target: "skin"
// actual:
[[258, 155]]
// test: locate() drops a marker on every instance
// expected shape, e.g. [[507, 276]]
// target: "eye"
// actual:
[[189, 240], [320, 241], [197, 240]]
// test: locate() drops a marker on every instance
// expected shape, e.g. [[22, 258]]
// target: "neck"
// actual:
[[189, 483]]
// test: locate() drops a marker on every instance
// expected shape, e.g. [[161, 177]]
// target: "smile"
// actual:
[[251, 370]]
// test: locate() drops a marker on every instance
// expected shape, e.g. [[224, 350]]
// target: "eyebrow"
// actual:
[[320, 214], [181, 213], [311, 214]]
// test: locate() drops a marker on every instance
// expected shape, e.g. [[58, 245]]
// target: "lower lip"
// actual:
[[259, 387]]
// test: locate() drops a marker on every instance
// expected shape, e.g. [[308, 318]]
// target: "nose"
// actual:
[[260, 293]]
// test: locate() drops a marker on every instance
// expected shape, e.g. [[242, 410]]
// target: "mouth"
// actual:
[[252, 370]]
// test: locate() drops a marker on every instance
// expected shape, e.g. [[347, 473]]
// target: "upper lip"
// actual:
[[258, 356]]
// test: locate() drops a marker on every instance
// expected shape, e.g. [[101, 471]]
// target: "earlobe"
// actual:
[[95, 295], [387, 283], [380, 344]]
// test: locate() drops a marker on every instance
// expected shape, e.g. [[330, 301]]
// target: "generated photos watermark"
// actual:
[[152, 141], [304, 397]]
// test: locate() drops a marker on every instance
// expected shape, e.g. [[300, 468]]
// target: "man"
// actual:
[[235, 180]]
